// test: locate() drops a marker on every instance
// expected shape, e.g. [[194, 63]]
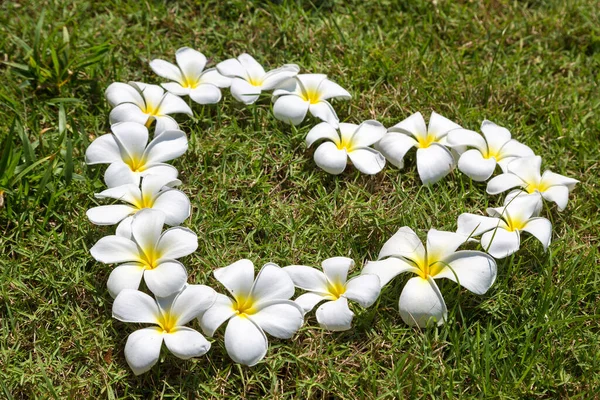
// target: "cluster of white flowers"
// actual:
[[139, 177]]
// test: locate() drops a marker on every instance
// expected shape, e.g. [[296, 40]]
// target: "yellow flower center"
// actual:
[[539, 186], [144, 202], [149, 258], [137, 164], [167, 322], [514, 223], [255, 81], [311, 95], [490, 152], [244, 306], [150, 109], [430, 265], [336, 289], [190, 83], [345, 143], [425, 142]]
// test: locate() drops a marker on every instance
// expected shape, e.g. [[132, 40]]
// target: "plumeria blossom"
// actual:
[[495, 147], [421, 302], [308, 92], [333, 287], [131, 156], [190, 78], [258, 306], [249, 78], [434, 159], [142, 103], [525, 173], [169, 314], [156, 192], [353, 142], [148, 252], [501, 232]]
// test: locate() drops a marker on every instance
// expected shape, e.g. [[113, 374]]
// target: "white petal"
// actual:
[[549, 178], [440, 126], [307, 278], [164, 123], [213, 76], [541, 228], [331, 159], [168, 146], [167, 278], [465, 137], [191, 62], [153, 184], [177, 242], [245, 342], [527, 168], [290, 109], [281, 319], [272, 283], [127, 112], [175, 205], [309, 300], [367, 160], [109, 215], [472, 225], [165, 170], [388, 269], [441, 244], [125, 276], [413, 125], [103, 150], [404, 243], [335, 315], [219, 312], [275, 77], [364, 289], [347, 131], [513, 148], [166, 70], [329, 90], [191, 302], [496, 136], [131, 138], [368, 133], [146, 228], [336, 269], [558, 194], [232, 68], [206, 93], [124, 228], [475, 166], [129, 193], [243, 91], [238, 277], [473, 270], [518, 192], [394, 147], [152, 94], [175, 88], [520, 208], [503, 182], [172, 104], [135, 306], [310, 82], [434, 163], [321, 131], [114, 249], [186, 343], [325, 112], [143, 349], [252, 67], [421, 303], [500, 243], [118, 93]]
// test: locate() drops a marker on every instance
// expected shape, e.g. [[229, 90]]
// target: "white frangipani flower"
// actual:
[[250, 78], [434, 159], [148, 252], [353, 142], [156, 192], [333, 286], [143, 103], [421, 302], [170, 314], [495, 147], [258, 306], [131, 156], [308, 92], [525, 173], [501, 231], [189, 77]]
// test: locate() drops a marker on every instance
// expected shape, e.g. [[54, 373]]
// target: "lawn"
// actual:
[[531, 66]]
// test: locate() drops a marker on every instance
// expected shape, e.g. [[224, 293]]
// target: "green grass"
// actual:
[[533, 67]]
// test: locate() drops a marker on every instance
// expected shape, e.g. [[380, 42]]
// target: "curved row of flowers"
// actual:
[[139, 176]]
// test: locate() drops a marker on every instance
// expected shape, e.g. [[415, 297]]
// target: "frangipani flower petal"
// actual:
[[125, 276], [177, 242], [114, 249], [404, 243], [219, 312], [473, 270], [164, 123], [206, 93], [332, 90], [442, 244], [175, 205], [388, 269], [186, 343], [191, 62], [245, 342], [166, 70], [551, 179], [252, 67], [168, 146], [474, 225], [475, 166], [275, 77], [558, 194], [191, 302], [527, 168], [364, 289], [167, 278], [243, 91], [466, 137], [307, 278], [325, 112], [127, 112], [541, 228], [367, 160], [213, 77], [118, 93], [495, 136], [237, 278], [272, 283], [434, 163], [394, 147], [331, 159], [500, 243], [103, 150], [309, 300], [291, 109], [439, 126], [367, 133], [421, 303], [143, 349], [413, 125], [335, 315], [109, 215], [336, 268], [281, 319], [322, 131], [147, 227], [119, 173], [503, 182], [135, 306]]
